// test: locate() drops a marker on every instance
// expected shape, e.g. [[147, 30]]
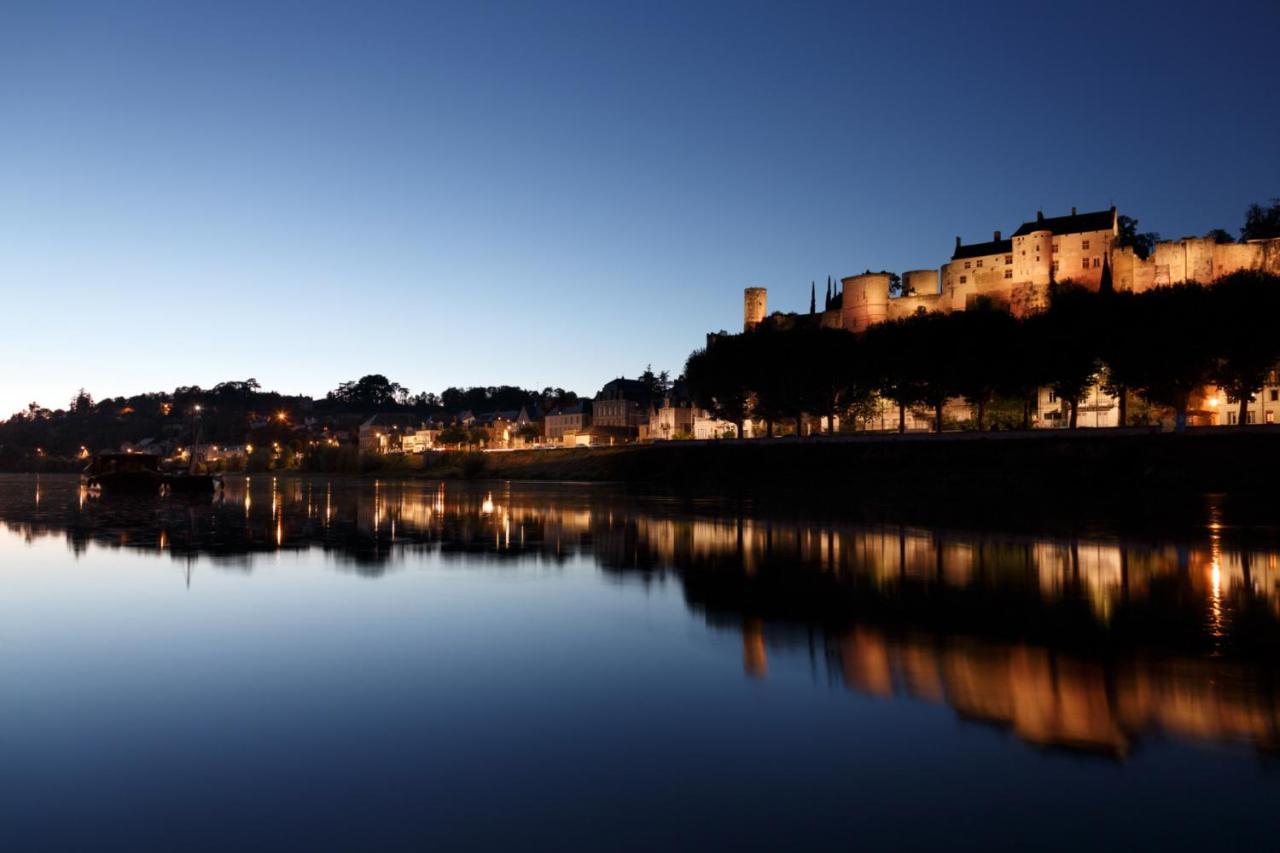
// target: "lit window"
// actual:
[[1271, 417]]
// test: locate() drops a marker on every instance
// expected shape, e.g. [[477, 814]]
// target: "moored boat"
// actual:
[[135, 473]]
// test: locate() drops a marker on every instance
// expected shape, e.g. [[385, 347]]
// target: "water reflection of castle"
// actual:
[[1084, 643]]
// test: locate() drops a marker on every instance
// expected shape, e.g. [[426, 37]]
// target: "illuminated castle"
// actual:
[[1017, 272]]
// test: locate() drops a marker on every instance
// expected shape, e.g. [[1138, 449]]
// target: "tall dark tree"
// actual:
[[1220, 236], [982, 339], [1123, 360], [1262, 223], [813, 297], [1142, 243], [1172, 373], [1070, 345], [717, 381], [886, 346], [1243, 307]]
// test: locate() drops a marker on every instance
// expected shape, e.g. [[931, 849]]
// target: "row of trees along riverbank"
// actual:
[[1161, 346]]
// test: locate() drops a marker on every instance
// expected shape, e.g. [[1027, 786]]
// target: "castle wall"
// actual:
[[920, 303], [921, 282], [1191, 259]]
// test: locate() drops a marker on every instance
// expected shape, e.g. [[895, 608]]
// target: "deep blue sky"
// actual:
[[550, 194]]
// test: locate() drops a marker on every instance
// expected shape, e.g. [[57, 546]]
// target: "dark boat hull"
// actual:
[[126, 482]]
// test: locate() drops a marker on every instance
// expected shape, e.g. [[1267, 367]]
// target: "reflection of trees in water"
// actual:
[[1085, 643]]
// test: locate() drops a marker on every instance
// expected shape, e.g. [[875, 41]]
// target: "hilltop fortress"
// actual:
[[1017, 272]]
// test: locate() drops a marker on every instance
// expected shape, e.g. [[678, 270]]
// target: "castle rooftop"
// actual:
[[1076, 223]]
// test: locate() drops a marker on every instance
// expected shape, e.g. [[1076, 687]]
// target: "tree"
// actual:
[[1171, 374], [717, 381], [1069, 352], [772, 371], [370, 393], [981, 339], [455, 434], [1124, 360], [1142, 243], [887, 346], [1261, 223], [813, 298], [838, 380], [1245, 347], [81, 403], [657, 384], [1220, 236]]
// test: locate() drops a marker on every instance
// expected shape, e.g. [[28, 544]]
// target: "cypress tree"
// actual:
[[813, 298]]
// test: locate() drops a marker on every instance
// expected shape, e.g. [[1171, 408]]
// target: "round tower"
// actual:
[[865, 300], [754, 306]]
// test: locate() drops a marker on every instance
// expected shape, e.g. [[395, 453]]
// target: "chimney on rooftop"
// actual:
[[1039, 216], [957, 241], [996, 237], [1073, 210]]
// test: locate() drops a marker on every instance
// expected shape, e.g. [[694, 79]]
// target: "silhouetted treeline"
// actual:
[[1160, 346]]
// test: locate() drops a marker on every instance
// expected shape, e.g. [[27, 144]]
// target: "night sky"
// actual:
[[557, 194]]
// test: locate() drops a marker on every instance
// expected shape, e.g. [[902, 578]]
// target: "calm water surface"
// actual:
[[356, 665]]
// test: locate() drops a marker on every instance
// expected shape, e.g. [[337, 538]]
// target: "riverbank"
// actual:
[[1081, 463]]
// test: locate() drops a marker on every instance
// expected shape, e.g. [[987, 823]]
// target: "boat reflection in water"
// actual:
[[1087, 643]]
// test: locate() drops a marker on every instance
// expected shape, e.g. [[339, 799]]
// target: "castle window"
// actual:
[[1055, 266], [1271, 417], [1275, 395], [1008, 259], [1097, 262], [979, 264], [1008, 273], [1084, 245], [1055, 247], [963, 279], [966, 264], [1086, 262]]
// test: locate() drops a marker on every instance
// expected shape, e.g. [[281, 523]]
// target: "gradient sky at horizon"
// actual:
[[557, 194]]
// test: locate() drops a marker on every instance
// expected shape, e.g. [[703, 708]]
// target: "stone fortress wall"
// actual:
[[1017, 271]]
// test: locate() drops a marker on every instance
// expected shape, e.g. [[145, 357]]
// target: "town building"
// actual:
[[567, 421], [621, 403]]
